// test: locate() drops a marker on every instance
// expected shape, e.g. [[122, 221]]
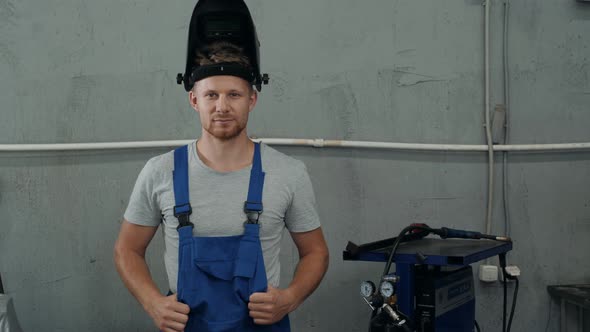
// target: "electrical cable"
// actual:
[[505, 302], [502, 260], [506, 328], [507, 123], [477, 327], [514, 297]]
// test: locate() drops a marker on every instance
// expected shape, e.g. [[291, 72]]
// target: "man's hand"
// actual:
[[270, 307], [169, 314]]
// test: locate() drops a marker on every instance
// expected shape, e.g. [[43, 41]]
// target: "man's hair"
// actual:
[[221, 51]]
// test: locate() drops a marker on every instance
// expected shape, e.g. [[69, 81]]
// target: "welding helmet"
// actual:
[[222, 20]]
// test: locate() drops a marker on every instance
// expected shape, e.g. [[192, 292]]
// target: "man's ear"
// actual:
[[253, 99], [192, 99]]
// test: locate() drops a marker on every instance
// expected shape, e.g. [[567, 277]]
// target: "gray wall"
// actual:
[[399, 71]]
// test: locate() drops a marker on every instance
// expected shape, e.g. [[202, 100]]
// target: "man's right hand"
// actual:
[[169, 314]]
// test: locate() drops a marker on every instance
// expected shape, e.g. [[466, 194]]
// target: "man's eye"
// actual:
[[234, 94], [211, 95]]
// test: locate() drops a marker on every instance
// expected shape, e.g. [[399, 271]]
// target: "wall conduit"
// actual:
[[318, 143]]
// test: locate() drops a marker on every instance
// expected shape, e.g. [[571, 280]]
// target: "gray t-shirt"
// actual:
[[217, 200]]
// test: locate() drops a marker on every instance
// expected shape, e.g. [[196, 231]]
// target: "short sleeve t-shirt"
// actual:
[[217, 200]]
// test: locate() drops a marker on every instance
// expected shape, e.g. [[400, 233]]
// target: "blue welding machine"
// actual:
[[432, 288], [444, 300]]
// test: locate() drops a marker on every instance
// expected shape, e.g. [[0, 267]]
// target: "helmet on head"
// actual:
[[222, 20]]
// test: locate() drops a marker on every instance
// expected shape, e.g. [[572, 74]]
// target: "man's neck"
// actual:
[[225, 155]]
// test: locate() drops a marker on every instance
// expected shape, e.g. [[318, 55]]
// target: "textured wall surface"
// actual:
[[396, 71]]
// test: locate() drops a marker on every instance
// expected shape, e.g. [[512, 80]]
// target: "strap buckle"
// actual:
[[253, 214], [183, 221], [182, 213], [253, 217]]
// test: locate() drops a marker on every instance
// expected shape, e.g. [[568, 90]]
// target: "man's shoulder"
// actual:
[[275, 160], [160, 163]]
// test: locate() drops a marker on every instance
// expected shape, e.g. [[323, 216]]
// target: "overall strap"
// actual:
[[253, 205], [182, 209]]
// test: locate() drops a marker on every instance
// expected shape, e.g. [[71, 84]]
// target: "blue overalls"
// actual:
[[217, 275]]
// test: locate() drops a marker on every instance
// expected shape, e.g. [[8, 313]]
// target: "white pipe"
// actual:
[[507, 122], [318, 143], [542, 147], [490, 205], [91, 146]]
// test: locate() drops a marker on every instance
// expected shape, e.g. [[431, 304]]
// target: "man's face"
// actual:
[[223, 104]]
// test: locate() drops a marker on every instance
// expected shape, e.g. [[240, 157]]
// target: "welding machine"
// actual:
[[432, 288], [444, 299]]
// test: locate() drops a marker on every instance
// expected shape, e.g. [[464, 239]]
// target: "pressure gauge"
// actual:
[[368, 288], [386, 289]]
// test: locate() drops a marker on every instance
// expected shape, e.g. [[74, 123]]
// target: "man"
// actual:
[[219, 278]]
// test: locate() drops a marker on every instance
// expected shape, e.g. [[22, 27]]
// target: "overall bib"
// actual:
[[217, 275]]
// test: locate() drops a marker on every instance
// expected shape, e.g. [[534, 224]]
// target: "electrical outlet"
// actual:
[[488, 273]]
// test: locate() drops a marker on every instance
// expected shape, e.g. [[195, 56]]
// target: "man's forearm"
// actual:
[[134, 272], [309, 273]]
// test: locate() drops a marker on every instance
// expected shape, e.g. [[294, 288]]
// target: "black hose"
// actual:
[[477, 327], [371, 320], [513, 304], [397, 242], [406, 328]]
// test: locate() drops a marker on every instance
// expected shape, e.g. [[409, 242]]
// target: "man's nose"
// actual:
[[222, 104]]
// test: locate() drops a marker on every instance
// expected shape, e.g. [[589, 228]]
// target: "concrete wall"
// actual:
[[399, 71]]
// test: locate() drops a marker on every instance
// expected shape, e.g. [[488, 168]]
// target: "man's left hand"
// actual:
[[270, 307]]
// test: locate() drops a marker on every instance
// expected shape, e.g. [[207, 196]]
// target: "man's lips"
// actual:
[[222, 120]]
